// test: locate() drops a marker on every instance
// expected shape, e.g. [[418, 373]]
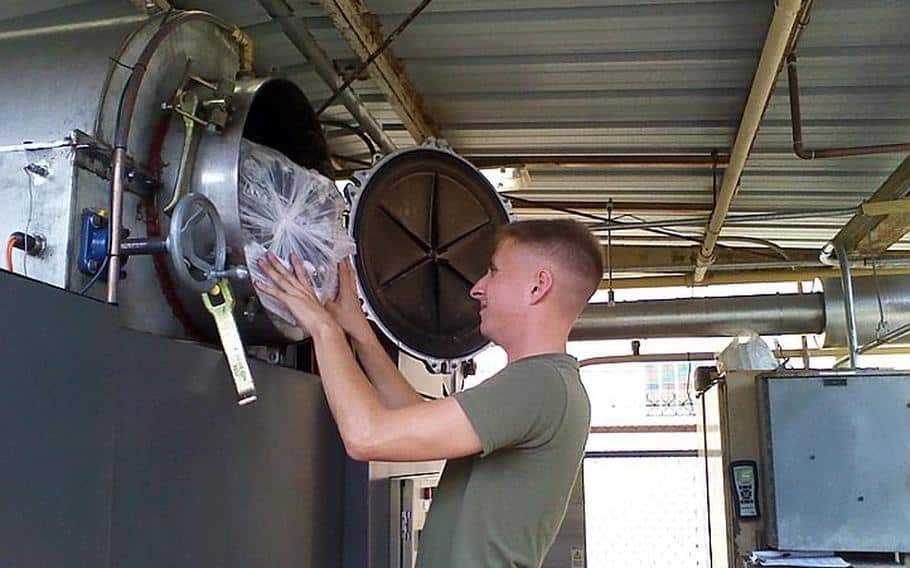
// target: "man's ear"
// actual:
[[542, 285]]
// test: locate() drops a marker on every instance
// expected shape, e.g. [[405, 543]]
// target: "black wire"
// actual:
[[664, 232], [556, 208], [120, 63], [388, 40], [351, 160], [353, 129], [95, 276], [601, 218]]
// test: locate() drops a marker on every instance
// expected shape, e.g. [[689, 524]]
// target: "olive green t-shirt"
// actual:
[[503, 507]]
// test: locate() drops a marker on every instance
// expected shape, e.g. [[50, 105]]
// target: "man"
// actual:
[[514, 442]]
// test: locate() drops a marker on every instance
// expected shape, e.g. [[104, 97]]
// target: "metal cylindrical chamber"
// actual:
[[881, 304], [703, 317], [274, 113], [77, 78]]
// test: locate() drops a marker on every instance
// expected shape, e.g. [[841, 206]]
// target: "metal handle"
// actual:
[[192, 270]]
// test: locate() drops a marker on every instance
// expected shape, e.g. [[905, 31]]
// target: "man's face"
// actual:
[[503, 291]]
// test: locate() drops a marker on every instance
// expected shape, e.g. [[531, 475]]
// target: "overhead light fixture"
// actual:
[[508, 179]]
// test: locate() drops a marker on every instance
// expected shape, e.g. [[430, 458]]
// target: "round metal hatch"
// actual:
[[424, 221]]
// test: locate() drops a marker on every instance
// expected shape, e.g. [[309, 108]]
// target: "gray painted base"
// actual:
[[124, 449]]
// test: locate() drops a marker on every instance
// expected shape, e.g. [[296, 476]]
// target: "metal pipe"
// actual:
[[887, 338], [740, 277], [772, 314], [154, 245], [113, 265], [582, 160], [709, 356], [74, 27], [796, 122], [847, 284], [869, 299], [773, 52], [297, 33], [732, 220]]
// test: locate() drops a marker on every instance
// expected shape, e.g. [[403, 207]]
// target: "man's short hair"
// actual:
[[565, 240]]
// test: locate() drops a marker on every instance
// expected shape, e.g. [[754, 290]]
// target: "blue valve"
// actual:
[[93, 242]]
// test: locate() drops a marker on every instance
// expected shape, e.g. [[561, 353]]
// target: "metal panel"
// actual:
[[839, 458], [40, 205], [125, 449], [43, 99]]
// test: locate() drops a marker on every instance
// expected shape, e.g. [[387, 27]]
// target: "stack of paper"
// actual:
[[784, 558]]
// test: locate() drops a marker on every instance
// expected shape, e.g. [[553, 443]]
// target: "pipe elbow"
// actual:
[[802, 153], [825, 256]]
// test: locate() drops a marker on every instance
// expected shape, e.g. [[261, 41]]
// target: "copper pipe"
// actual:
[[618, 160], [113, 265], [796, 122]]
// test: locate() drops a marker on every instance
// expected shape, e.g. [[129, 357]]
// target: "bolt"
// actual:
[[38, 170], [93, 265]]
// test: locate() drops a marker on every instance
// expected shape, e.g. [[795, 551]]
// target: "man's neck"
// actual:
[[522, 350]]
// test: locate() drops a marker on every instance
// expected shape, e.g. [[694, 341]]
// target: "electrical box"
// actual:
[[410, 498], [836, 449], [806, 460]]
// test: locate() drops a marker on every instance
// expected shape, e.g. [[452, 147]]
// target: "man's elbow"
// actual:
[[360, 445]]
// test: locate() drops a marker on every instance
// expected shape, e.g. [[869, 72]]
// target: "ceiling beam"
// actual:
[[637, 259], [527, 201], [769, 65], [636, 161], [874, 234], [363, 33], [743, 277]]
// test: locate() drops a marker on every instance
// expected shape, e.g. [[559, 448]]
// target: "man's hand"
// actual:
[[346, 307], [296, 293]]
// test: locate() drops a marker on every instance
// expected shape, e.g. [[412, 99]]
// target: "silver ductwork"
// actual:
[[882, 304], [703, 317]]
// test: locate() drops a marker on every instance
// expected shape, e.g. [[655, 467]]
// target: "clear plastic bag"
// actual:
[[748, 352], [286, 208]]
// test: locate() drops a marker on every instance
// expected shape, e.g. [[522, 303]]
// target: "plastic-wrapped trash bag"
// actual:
[[748, 352], [286, 208]]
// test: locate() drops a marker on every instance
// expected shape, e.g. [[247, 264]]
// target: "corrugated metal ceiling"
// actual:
[[537, 77]]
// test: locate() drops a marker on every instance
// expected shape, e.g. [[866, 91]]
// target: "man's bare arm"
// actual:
[[371, 430], [393, 387]]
